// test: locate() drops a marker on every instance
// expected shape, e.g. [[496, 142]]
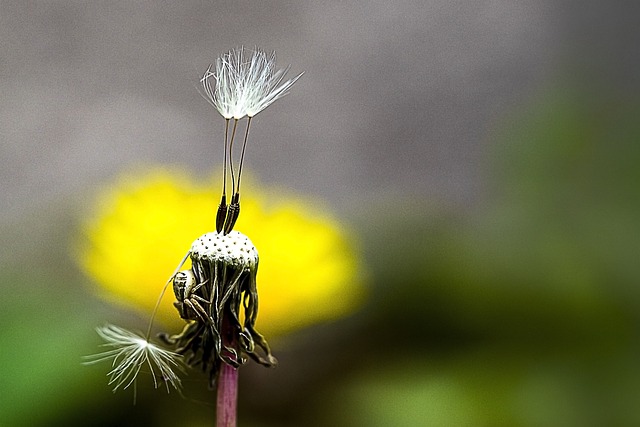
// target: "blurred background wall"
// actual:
[[483, 152]]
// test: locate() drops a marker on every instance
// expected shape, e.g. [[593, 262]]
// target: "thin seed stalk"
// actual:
[[227, 399], [226, 408]]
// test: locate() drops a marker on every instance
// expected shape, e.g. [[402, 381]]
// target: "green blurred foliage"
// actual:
[[525, 309], [520, 312]]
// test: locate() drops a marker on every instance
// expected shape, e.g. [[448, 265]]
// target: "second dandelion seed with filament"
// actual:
[[241, 87], [218, 295]]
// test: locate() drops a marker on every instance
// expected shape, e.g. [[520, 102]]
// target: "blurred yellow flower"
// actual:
[[145, 222]]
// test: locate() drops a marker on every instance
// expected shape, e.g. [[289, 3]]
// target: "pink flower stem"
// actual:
[[227, 396]]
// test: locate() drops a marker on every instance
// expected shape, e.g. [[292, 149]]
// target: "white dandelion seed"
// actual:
[[264, 84], [245, 86], [130, 352], [225, 94]]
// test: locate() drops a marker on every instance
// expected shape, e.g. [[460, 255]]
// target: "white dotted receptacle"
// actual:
[[235, 248]]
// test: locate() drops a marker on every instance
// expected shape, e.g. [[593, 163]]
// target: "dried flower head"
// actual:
[[213, 296], [130, 353]]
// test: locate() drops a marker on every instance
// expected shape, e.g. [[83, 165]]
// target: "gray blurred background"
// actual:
[[485, 151], [397, 96]]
